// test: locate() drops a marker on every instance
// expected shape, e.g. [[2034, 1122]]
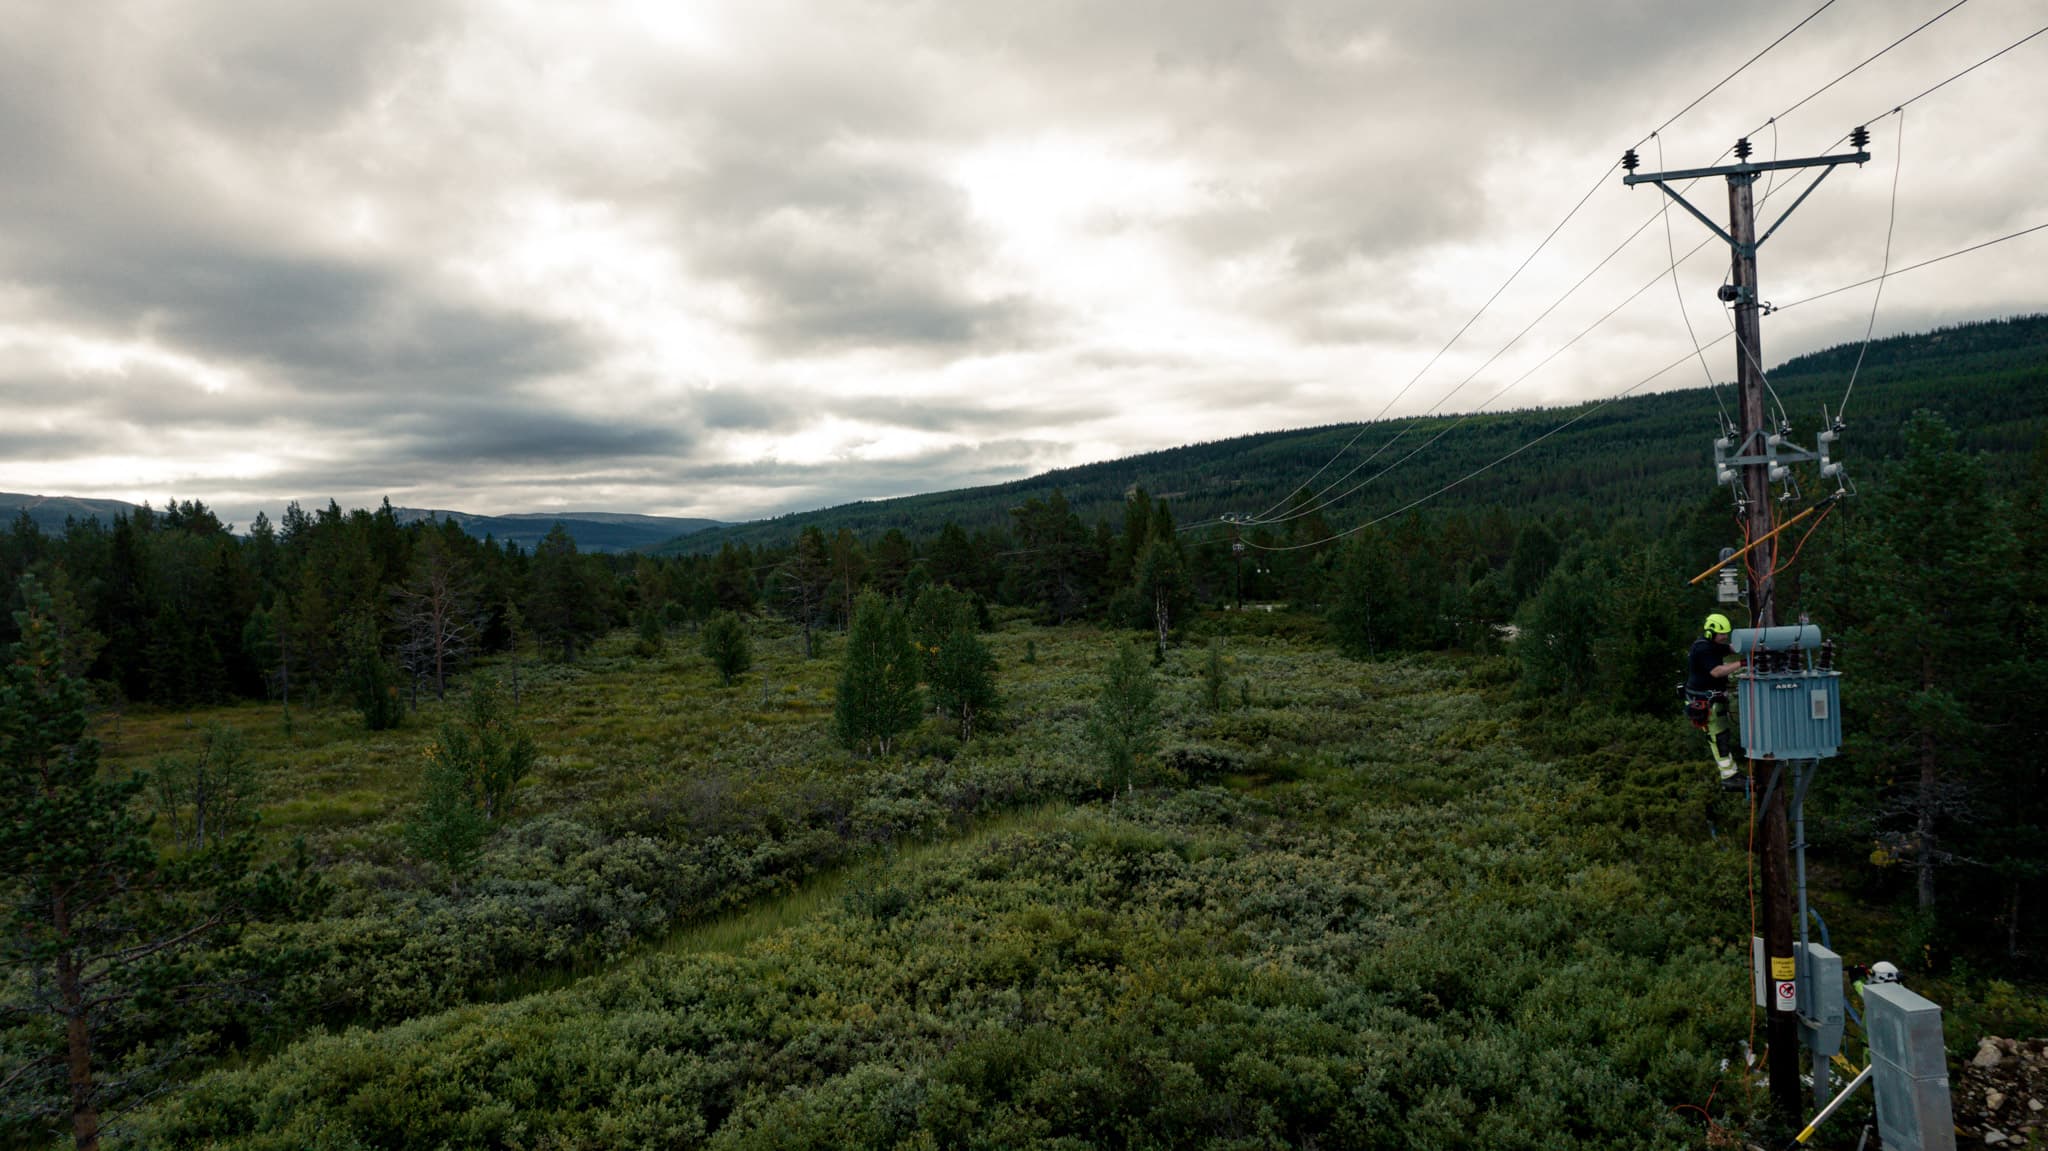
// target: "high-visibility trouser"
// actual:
[[1720, 731]]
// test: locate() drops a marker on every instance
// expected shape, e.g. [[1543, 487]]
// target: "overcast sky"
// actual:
[[734, 259]]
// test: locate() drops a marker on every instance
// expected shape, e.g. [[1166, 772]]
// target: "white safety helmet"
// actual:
[[1883, 972]]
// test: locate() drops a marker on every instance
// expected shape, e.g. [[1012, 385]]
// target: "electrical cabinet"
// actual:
[[1789, 696], [1913, 1111]]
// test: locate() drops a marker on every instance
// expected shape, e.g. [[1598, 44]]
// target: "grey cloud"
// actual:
[[285, 68], [804, 185], [841, 251], [735, 409]]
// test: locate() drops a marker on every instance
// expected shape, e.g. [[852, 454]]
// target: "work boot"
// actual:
[[1735, 783]]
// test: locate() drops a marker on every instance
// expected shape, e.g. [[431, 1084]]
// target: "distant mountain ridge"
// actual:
[[1644, 455], [592, 531], [50, 512]]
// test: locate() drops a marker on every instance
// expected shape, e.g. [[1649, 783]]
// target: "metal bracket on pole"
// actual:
[[1745, 172]]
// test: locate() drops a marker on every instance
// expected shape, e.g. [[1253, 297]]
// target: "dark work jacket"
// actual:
[[1705, 657]]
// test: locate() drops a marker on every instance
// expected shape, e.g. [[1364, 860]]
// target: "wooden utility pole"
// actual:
[[1772, 842], [1237, 558], [1754, 457]]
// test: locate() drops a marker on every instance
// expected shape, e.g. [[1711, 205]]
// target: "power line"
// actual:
[[1738, 71], [1628, 391], [1511, 384], [1884, 269], [1771, 123], [1319, 503], [1909, 268], [1519, 268], [1455, 337], [1858, 68], [1970, 69], [1487, 467], [1318, 500], [1671, 252]]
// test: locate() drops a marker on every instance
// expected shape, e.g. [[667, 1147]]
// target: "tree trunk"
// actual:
[[2012, 923], [85, 1115], [1924, 819]]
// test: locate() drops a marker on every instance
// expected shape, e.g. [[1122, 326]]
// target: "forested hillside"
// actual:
[[592, 531], [1642, 456]]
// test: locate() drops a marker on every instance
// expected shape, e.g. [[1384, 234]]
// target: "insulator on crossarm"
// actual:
[[1859, 137], [1630, 161], [1742, 148]]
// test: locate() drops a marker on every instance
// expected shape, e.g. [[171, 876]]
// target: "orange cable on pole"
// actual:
[[1746, 549]]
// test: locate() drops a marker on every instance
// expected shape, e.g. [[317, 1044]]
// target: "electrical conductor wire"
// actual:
[[1671, 252], [1624, 393], [1664, 209], [1884, 270], [1826, 4]]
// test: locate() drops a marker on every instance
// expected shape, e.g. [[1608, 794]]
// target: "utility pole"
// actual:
[[1755, 456], [1237, 556]]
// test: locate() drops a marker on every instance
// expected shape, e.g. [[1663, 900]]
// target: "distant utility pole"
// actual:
[[1237, 557], [1755, 460]]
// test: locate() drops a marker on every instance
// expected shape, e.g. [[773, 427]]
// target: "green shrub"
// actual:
[[1124, 725], [724, 643]]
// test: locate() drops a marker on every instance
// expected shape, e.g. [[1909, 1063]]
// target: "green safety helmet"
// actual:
[[1717, 624]]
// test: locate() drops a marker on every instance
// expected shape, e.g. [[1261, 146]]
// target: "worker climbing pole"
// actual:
[[1708, 667]]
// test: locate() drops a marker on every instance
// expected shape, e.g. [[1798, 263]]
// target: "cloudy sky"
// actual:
[[737, 258]]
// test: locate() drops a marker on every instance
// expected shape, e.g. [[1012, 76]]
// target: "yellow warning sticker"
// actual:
[[1782, 967]]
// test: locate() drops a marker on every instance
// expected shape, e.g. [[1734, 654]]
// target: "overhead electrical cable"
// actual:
[[1628, 391], [1867, 60], [1884, 269], [1671, 251], [1519, 268], [1972, 68], [1504, 389], [1664, 209], [1455, 337], [1732, 75], [1911, 267], [1318, 502], [1486, 467]]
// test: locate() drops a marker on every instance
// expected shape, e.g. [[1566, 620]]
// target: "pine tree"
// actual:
[[878, 698], [96, 960], [1928, 597], [562, 607], [1215, 676], [804, 581], [934, 616], [1124, 726], [724, 642], [372, 682], [436, 613], [1366, 616]]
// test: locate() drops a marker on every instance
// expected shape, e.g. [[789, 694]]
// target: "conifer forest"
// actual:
[[1035, 816]]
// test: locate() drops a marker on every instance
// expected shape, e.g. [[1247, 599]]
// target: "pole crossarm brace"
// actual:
[[1745, 171]]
